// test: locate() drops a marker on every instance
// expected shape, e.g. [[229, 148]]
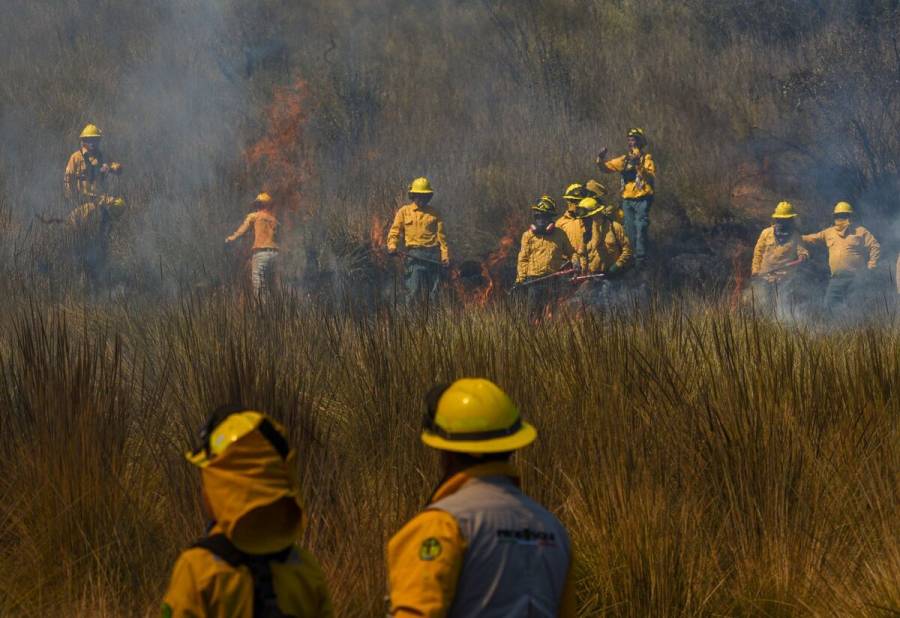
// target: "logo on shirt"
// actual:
[[430, 549], [526, 536]]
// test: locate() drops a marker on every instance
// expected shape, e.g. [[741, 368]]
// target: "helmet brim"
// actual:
[[522, 438], [589, 213], [421, 192], [793, 216]]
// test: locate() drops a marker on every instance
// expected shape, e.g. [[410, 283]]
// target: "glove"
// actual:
[[613, 269], [445, 263]]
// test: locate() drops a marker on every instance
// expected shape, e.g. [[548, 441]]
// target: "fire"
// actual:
[[496, 257], [280, 158], [377, 238], [479, 294]]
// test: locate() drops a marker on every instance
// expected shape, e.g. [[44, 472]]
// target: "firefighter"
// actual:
[[545, 249], [425, 246], [481, 547], [602, 251], [598, 191], [638, 172], [568, 222], [264, 263], [852, 252], [249, 564], [87, 173], [778, 251]]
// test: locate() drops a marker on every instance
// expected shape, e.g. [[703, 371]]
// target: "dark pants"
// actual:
[[778, 296], [593, 293], [423, 275], [839, 290], [637, 220], [539, 296]]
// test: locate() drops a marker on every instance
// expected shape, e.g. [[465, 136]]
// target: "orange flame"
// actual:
[[280, 157], [377, 236], [496, 257]]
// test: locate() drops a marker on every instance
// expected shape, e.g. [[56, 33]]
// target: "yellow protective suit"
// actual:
[[851, 248], [542, 254], [768, 254], [607, 246], [420, 228], [253, 497], [637, 180], [425, 558], [85, 179]]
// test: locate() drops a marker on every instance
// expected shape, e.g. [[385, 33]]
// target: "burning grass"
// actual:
[[704, 462]]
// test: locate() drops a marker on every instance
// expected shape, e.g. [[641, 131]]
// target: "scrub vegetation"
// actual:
[[705, 462]]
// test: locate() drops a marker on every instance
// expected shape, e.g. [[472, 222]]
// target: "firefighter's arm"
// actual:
[[874, 249], [69, 179], [442, 242], [393, 236], [814, 239], [522, 262], [424, 562], [241, 230], [625, 255], [758, 254], [802, 252], [648, 168], [183, 599], [614, 165]]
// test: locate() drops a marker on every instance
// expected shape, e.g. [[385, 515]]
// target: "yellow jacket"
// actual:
[[768, 254], [420, 227], [426, 557], [608, 245], [637, 180], [849, 250], [542, 254], [265, 229], [252, 494], [84, 179]]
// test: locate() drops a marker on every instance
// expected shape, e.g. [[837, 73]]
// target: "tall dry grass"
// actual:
[[705, 463]]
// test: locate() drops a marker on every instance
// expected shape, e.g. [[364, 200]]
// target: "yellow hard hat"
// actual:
[[227, 426], [574, 191], [546, 205], [784, 210], [263, 198], [637, 132], [588, 207], [117, 202], [474, 415], [843, 208], [595, 188], [420, 186], [91, 131]]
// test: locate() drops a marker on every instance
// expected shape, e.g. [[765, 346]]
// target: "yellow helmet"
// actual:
[[588, 207], [843, 208], [263, 198], [638, 133], [784, 210], [91, 131], [595, 189], [229, 425], [474, 415], [420, 186], [574, 191], [546, 205]]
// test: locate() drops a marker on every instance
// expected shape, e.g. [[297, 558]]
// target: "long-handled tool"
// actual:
[[416, 257], [559, 273], [772, 271]]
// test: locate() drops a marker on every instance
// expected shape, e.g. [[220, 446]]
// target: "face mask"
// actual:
[[841, 224], [783, 228]]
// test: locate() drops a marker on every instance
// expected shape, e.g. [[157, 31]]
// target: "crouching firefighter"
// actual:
[[481, 547], [545, 251], [249, 565], [778, 251]]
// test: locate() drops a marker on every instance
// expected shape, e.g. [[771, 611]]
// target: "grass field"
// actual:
[[705, 462]]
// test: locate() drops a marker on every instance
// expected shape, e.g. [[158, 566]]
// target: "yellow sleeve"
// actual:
[[614, 165], [394, 233], [244, 227], [566, 247], [183, 599], [442, 242], [874, 249], [625, 255], [69, 180], [648, 166], [814, 239], [424, 560], [522, 262], [758, 254]]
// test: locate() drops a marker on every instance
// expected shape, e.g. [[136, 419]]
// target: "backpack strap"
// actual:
[[265, 600]]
